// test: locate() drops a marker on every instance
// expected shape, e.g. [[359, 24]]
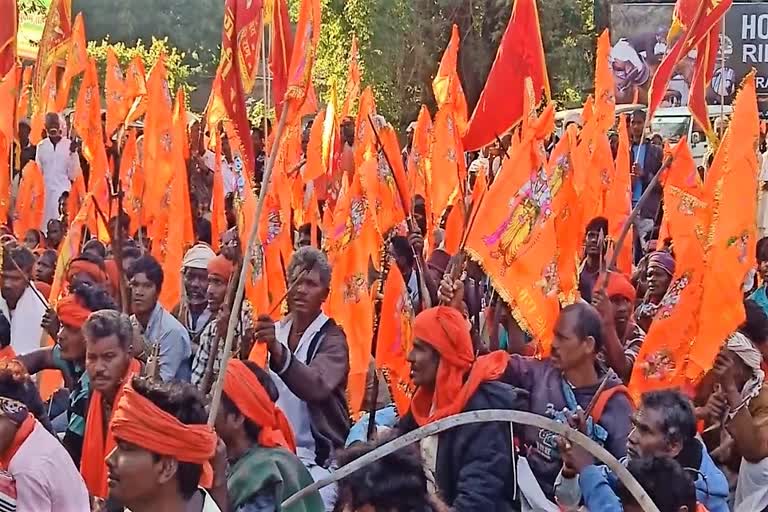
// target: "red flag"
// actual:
[[520, 55], [77, 60], [8, 29], [281, 48]]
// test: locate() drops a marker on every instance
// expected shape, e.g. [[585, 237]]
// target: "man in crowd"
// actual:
[[471, 464], [309, 358], [661, 269], [40, 475], [192, 311], [68, 356], [260, 444], [623, 337], [593, 256], [668, 485], [156, 324], [59, 162], [204, 371], [54, 234], [162, 444], [23, 305], [646, 161], [664, 426], [108, 361]]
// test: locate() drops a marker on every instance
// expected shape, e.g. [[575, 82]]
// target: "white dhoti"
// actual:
[[752, 486]]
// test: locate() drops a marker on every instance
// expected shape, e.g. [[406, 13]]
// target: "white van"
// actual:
[[675, 122]]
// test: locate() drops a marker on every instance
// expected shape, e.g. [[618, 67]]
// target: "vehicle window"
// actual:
[[671, 128]]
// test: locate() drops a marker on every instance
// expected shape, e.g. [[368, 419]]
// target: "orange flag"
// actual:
[[703, 305], [87, 122], [29, 201], [517, 244], [46, 103], [54, 43], [365, 140], [160, 155], [8, 30], [447, 87], [136, 89], [132, 181], [303, 56], [7, 101], [118, 103], [354, 241], [605, 100], [418, 156], [454, 228], [618, 204], [395, 339], [280, 51], [25, 91], [447, 170], [353, 80], [316, 165], [77, 60]]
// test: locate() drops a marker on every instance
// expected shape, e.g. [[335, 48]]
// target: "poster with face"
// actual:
[[639, 43]]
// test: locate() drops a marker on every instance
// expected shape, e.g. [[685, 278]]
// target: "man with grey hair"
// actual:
[[663, 426], [309, 360]]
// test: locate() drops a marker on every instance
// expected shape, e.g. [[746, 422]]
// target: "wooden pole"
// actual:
[[252, 241]]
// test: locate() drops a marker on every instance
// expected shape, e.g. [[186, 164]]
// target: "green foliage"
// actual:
[[32, 6], [178, 72]]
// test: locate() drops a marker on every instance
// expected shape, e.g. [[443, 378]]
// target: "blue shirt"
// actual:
[[175, 346], [638, 157]]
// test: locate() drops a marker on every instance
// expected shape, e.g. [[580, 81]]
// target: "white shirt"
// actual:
[[26, 331], [295, 409], [228, 175], [60, 167]]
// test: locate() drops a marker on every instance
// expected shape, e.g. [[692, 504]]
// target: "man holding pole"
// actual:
[[647, 159], [309, 360]]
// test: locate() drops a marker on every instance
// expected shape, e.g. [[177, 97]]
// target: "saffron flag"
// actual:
[[447, 85], [160, 155], [9, 18], [136, 89], [704, 302], [54, 42], [87, 122], [395, 339], [517, 243], [30, 199], [520, 55], [447, 170], [77, 60], [25, 91], [352, 90], [617, 198], [303, 56], [7, 107], [280, 51], [117, 101], [132, 182]]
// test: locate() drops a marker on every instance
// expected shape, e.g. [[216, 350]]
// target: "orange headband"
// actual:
[[86, 267], [138, 421], [71, 312], [221, 266], [243, 388], [619, 284]]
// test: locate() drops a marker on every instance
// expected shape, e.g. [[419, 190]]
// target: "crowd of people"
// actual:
[[132, 415]]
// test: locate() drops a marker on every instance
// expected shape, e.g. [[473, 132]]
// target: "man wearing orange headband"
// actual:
[[163, 449], [68, 356], [88, 269], [220, 271], [623, 337], [472, 463], [264, 470], [108, 336]]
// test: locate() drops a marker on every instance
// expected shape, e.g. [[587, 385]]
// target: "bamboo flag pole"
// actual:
[[252, 241]]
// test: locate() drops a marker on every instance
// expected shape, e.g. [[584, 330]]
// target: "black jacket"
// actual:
[[474, 462]]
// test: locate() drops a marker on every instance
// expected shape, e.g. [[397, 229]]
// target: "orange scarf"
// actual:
[[71, 312], [243, 388], [97, 445], [138, 421], [445, 329], [25, 429]]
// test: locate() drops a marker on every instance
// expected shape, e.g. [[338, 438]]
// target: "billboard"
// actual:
[[638, 38], [31, 23]]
